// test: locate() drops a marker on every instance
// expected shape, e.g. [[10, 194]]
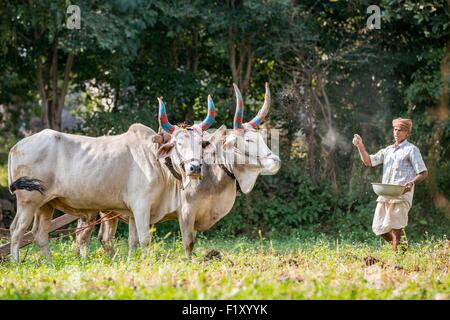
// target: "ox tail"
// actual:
[[27, 183]]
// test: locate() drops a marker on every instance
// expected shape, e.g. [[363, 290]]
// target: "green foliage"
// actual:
[[330, 78], [287, 201]]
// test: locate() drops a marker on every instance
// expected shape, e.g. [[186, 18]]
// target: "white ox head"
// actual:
[[246, 145], [184, 144]]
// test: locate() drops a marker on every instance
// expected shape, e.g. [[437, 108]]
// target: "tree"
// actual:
[[38, 34]]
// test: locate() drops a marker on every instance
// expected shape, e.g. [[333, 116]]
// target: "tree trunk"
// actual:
[[195, 55], [54, 86], [62, 95], [241, 59], [329, 147], [330, 167], [42, 92], [312, 156], [52, 99]]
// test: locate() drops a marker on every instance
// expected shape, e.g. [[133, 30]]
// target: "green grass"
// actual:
[[247, 269]]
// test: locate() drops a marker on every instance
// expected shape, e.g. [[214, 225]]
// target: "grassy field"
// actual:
[[303, 267], [234, 269]]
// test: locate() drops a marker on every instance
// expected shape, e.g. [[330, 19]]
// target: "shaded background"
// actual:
[[330, 77]]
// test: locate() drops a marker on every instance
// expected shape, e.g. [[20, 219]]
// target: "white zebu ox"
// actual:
[[241, 157], [82, 175]]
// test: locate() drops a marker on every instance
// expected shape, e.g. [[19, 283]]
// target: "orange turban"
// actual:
[[402, 123]]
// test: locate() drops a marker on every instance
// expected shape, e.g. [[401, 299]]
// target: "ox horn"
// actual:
[[239, 114], [262, 113], [210, 116], [163, 120]]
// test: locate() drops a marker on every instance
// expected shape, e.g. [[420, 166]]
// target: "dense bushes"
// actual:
[[330, 77], [280, 203]]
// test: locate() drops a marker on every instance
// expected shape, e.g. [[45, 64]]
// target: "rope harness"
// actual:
[[231, 175], [92, 224], [78, 230], [169, 165], [228, 172]]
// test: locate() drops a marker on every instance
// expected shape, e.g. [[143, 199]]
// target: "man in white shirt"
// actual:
[[402, 165]]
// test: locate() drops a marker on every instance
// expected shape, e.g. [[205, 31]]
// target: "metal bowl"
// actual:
[[392, 190]]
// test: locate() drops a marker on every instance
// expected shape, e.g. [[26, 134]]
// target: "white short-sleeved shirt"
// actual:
[[401, 164]]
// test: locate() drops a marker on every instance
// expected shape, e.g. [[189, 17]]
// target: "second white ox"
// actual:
[[81, 175], [241, 158]]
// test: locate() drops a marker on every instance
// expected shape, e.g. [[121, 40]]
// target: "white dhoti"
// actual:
[[390, 215]]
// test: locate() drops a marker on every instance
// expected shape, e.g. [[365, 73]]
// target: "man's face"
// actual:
[[400, 134]]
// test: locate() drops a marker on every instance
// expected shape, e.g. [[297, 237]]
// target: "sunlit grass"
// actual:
[[266, 269], [3, 175]]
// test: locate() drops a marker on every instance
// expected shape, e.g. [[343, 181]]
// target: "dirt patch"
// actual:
[[291, 262], [213, 255], [290, 277], [369, 261]]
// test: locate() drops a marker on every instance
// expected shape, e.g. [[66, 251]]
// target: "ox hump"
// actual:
[[141, 130]]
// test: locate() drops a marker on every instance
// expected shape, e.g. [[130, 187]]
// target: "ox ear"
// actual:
[[229, 142], [157, 138], [166, 137], [161, 137], [165, 150], [210, 144]]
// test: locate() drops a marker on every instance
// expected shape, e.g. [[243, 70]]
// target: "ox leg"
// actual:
[[24, 216], [109, 228], [84, 236], [142, 221], [186, 221], [43, 221], [133, 239], [36, 222], [101, 229]]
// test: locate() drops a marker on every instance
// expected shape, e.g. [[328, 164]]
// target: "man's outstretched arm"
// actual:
[[357, 141]]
